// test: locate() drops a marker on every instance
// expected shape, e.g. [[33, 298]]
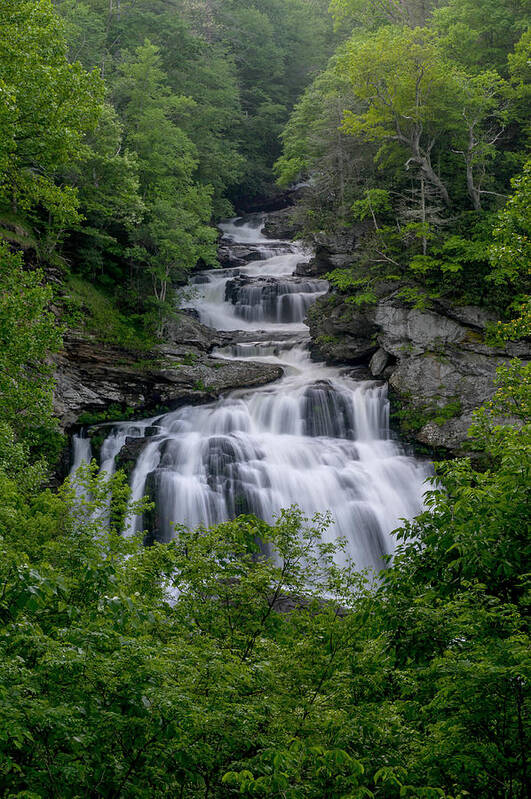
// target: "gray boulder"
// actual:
[[439, 366], [91, 376]]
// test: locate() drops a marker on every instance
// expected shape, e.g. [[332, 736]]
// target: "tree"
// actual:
[[417, 98], [28, 334], [478, 34], [106, 179], [205, 668], [334, 166], [46, 107], [484, 115], [410, 95], [510, 253], [175, 232], [375, 13]]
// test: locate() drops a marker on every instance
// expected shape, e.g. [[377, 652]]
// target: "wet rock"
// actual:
[[127, 457], [187, 331], [379, 361], [309, 269], [91, 376], [281, 225], [340, 333], [450, 435], [152, 522], [436, 360], [469, 315], [236, 255], [421, 330], [334, 251]]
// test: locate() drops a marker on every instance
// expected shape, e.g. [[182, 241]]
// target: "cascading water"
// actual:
[[317, 438], [81, 451]]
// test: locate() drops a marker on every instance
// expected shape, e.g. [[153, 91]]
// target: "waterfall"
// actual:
[[318, 438], [81, 451]]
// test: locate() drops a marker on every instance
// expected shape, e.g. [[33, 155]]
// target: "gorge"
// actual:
[[319, 437], [265, 372]]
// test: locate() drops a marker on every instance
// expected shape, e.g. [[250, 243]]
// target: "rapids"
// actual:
[[318, 438]]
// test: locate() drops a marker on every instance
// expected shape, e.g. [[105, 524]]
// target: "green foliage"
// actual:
[[121, 162], [46, 107], [113, 413], [374, 13], [510, 254], [410, 417], [204, 667], [415, 130], [480, 33], [375, 201], [175, 232], [415, 96], [107, 182], [519, 328], [316, 150], [28, 333], [89, 309]]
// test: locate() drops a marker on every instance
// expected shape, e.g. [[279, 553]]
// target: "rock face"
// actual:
[[341, 333], [437, 362], [378, 362], [281, 225], [235, 255], [333, 251], [91, 377]]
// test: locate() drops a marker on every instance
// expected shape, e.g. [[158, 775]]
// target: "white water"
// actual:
[[246, 230], [317, 438], [81, 452]]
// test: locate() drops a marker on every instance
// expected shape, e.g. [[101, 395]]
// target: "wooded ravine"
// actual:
[[264, 399]]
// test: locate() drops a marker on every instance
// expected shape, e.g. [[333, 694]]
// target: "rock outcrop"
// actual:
[[91, 377], [235, 255], [333, 251], [340, 333], [437, 362], [281, 224]]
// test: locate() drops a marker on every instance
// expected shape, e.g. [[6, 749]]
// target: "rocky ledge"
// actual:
[[437, 362], [92, 377], [333, 251], [281, 224]]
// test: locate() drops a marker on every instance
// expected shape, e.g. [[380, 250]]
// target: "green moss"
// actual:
[[327, 339], [190, 359], [474, 337], [449, 411], [16, 229], [114, 413], [200, 386], [90, 310], [411, 417]]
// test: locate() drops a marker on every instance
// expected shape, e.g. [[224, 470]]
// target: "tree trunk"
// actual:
[[423, 211], [341, 167], [473, 191], [421, 156]]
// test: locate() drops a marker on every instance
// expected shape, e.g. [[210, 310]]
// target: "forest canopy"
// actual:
[[128, 129], [416, 129]]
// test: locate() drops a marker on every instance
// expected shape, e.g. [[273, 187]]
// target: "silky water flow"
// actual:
[[318, 438]]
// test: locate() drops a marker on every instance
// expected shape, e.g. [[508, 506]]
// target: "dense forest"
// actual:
[[416, 128], [200, 667], [128, 127]]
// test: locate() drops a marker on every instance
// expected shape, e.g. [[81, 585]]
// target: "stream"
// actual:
[[318, 438]]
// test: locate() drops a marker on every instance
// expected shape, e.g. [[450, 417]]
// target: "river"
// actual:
[[318, 438]]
